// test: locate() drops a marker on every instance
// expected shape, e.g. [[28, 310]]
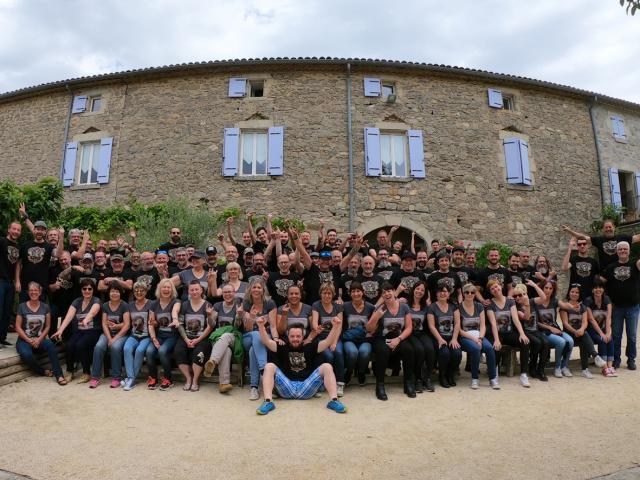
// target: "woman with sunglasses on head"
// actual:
[[420, 339], [233, 278], [193, 346], [163, 331], [135, 347], [444, 324], [473, 330], [84, 315], [599, 310], [575, 320], [561, 341], [391, 326], [33, 320], [115, 326], [539, 346], [502, 313]]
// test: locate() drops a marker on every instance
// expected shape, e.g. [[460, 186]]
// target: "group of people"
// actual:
[[303, 316]]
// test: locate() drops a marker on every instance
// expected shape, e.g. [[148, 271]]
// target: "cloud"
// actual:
[[588, 44]]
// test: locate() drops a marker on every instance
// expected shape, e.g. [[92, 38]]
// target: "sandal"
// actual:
[[187, 387], [48, 373], [62, 381], [195, 387]]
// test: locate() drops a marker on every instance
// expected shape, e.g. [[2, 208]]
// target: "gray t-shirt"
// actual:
[[357, 318], [419, 318], [470, 321], [187, 276], [163, 318], [445, 321], [94, 324], [140, 319], [226, 315], [325, 317], [392, 324], [548, 315], [33, 322], [194, 321], [115, 316], [504, 322], [303, 317]]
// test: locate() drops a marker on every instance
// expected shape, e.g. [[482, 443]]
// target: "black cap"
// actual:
[[197, 254], [458, 248], [408, 256], [211, 250]]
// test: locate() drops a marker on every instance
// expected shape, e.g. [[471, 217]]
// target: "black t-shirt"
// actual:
[[171, 248], [296, 363], [606, 247], [77, 278], [9, 255], [386, 273], [583, 271], [599, 311], [622, 283], [408, 279], [259, 247], [151, 278], [464, 274], [501, 274], [344, 284], [438, 279], [278, 284], [313, 278], [35, 258], [371, 286], [62, 297]]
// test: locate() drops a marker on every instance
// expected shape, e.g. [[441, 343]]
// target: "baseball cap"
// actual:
[[248, 251], [314, 255], [211, 250], [87, 256], [458, 248], [40, 223], [197, 254], [408, 256], [115, 256], [325, 254]]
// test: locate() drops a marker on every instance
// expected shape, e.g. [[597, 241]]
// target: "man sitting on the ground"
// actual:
[[292, 367]]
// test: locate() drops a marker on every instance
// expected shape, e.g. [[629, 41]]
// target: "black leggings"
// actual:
[[187, 356], [540, 349], [423, 351], [587, 349], [512, 339], [80, 347], [382, 354], [448, 358]]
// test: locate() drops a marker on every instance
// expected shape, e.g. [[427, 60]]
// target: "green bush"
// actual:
[[481, 253]]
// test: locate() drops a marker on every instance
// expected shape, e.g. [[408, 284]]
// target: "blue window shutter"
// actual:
[[524, 162], [495, 98], [614, 183], [621, 132], [69, 167], [230, 152], [637, 177], [512, 159], [416, 154], [372, 87], [275, 161], [373, 161], [79, 104], [105, 159], [237, 87]]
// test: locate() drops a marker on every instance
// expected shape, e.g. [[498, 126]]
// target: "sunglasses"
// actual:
[[470, 292], [87, 289], [582, 244], [517, 295]]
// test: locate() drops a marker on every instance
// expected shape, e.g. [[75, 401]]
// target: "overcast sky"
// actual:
[[590, 44]]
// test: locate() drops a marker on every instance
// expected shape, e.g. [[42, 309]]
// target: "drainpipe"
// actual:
[[352, 199], [66, 129], [598, 151]]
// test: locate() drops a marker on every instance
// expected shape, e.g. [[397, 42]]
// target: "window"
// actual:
[[508, 102], [393, 155], [256, 88], [625, 192], [88, 165], [388, 89], [253, 153], [95, 104], [516, 155], [617, 127]]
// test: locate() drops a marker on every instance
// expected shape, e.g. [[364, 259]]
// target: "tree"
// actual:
[[632, 5]]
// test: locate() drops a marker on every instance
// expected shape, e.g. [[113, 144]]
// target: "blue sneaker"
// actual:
[[337, 406], [265, 408], [129, 383]]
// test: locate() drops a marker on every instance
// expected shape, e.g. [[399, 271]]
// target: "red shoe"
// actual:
[[165, 384], [152, 383]]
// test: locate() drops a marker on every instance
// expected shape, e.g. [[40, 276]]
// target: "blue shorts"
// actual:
[[298, 389]]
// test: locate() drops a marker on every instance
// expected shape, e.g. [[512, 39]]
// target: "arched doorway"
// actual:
[[370, 229]]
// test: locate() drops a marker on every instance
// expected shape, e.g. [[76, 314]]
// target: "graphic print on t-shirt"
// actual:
[[448, 281], [35, 324], [357, 321], [600, 316], [385, 274], [114, 319], [35, 254], [445, 325], [297, 361], [622, 273], [575, 320], [610, 247], [470, 323], [463, 276], [496, 276], [194, 325], [325, 277], [546, 316], [410, 282], [146, 279], [164, 319], [503, 321], [392, 326], [325, 322], [12, 254], [139, 326], [282, 285], [81, 317], [583, 269]]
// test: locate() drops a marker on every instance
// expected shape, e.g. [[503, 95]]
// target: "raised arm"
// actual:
[[60, 247], [252, 232], [566, 263], [334, 334], [575, 233], [352, 253], [25, 218], [305, 258], [229, 223], [264, 337], [413, 242]]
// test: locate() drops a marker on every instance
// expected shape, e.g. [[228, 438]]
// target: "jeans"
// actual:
[[26, 352], [625, 317], [474, 350], [605, 349], [134, 351], [167, 344], [336, 359], [357, 357], [257, 355], [6, 307], [563, 345], [448, 358], [116, 356]]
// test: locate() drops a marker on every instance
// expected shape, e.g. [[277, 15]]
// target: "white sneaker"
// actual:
[[129, 383], [599, 361], [495, 384], [253, 394], [566, 372], [557, 373], [475, 383], [587, 374], [340, 389], [524, 380]]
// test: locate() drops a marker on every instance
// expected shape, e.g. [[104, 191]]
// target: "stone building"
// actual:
[[448, 152]]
